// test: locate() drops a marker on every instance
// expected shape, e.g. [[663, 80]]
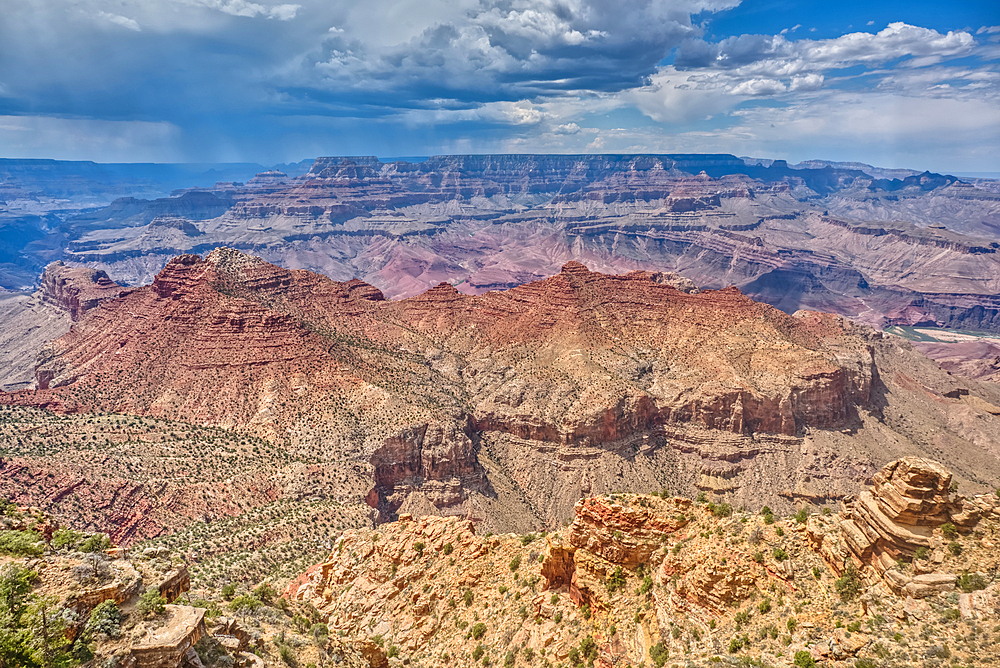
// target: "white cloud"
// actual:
[[122, 21], [504, 113], [250, 9], [678, 97], [806, 82], [507, 49], [758, 87], [885, 117], [567, 129]]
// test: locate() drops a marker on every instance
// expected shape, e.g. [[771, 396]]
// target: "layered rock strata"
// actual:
[[509, 406], [908, 500], [28, 322], [818, 238], [77, 289]]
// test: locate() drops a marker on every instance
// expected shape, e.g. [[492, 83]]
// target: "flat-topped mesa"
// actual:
[[77, 289]]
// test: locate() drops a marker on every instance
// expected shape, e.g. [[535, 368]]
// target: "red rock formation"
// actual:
[[77, 289], [583, 362], [609, 533]]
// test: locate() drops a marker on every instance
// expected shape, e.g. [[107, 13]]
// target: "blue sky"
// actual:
[[897, 84]]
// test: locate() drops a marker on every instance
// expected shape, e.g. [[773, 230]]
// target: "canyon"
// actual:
[[879, 246], [504, 407], [535, 409]]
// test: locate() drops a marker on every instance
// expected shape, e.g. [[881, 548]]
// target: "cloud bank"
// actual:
[[270, 81]]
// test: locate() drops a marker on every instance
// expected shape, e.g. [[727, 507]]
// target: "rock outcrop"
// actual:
[[168, 645], [902, 528], [608, 534], [909, 498], [28, 322], [77, 289]]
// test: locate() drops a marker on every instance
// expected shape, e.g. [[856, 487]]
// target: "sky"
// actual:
[[896, 84]]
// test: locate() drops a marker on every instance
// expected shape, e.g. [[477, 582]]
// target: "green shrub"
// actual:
[[393, 652], [265, 592], [508, 660], [287, 655], [515, 563], [865, 663], [320, 633], [574, 657], [228, 591], [803, 659], [848, 585], [647, 585], [765, 606], [585, 611], [20, 543], [418, 547], [659, 654], [448, 549], [477, 653], [99, 542], [66, 539], [616, 580], [478, 631], [970, 582], [588, 648], [467, 597], [920, 553], [779, 554], [949, 531], [105, 618], [955, 548], [245, 602], [779, 531], [802, 516], [151, 603]]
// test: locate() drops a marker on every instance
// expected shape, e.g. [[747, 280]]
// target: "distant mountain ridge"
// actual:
[[828, 236]]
